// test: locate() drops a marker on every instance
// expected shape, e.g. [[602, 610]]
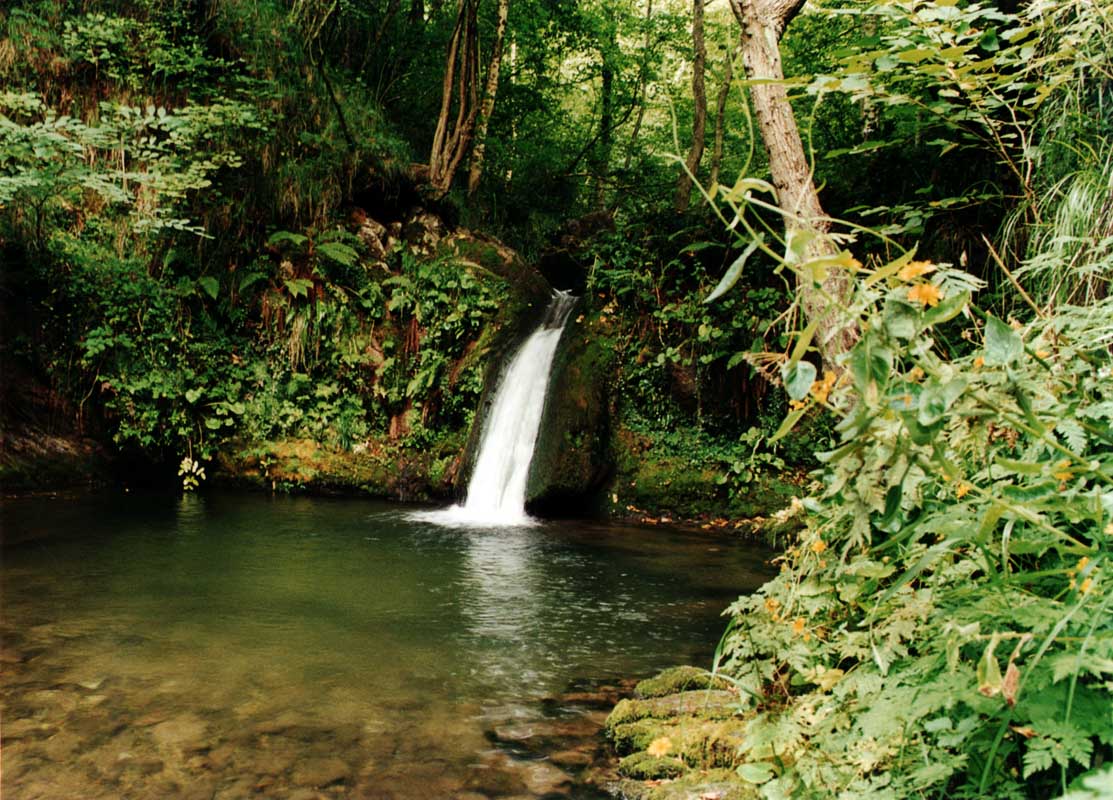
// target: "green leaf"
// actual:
[[210, 285], [755, 772], [870, 364], [787, 424], [1002, 344], [340, 253], [901, 319], [948, 308], [298, 287], [798, 379], [287, 237], [734, 271]]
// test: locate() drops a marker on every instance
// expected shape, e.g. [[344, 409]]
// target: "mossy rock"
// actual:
[[644, 767], [720, 784], [707, 704], [572, 459], [659, 482], [379, 468], [701, 744], [679, 679]]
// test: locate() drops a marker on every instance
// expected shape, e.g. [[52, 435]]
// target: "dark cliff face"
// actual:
[[572, 461]]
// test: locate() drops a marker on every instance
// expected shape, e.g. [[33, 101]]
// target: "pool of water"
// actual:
[[243, 646]]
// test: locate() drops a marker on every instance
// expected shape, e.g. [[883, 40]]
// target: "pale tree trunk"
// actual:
[[643, 81], [720, 117], [605, 142], [452, 139], [475, 170], [763, 22], [699, 110]]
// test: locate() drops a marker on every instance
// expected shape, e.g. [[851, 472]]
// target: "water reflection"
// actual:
[[286, 630]]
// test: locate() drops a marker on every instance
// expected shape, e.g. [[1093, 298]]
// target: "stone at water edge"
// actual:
[[679, 679]]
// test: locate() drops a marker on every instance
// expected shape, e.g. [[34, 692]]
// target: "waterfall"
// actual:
[[497, 491]]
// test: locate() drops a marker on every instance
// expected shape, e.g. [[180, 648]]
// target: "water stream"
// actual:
[[496, 493], [230, 646]]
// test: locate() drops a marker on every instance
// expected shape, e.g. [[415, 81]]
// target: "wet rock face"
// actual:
[[572, 460]]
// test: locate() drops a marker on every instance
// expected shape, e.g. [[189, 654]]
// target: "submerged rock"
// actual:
[[321, 772], [186, 732]]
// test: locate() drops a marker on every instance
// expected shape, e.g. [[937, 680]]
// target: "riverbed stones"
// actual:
[[319, 772], [187, 732]]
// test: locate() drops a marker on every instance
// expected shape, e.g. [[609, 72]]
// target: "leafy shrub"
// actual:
[[943, 623]]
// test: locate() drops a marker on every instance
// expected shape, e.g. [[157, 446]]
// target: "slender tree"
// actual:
[[699, 110], [763, 23], [452, 137], [720, 115], [475, 170], [643, 80]]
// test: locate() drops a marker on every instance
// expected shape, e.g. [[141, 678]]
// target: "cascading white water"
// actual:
[[497, 490]]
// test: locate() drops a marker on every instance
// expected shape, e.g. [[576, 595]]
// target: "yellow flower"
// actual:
[[659, 747], [926, 294], [915, 374], [1042, 353], [820, 389], [819, 546], [796, 404], [1085, 586], [1082, 562], [979, 362], [771, 604], [798, 626], [962, 490], [914, 269]]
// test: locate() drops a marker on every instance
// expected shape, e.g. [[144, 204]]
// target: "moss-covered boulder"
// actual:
[[646, 767], [378, 468], [654, 479], [719, 784], [699, 743], [691, 737], [708, 704], [679, 679], [572, 460]]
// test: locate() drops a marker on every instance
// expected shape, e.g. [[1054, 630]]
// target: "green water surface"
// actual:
[[244, 646]]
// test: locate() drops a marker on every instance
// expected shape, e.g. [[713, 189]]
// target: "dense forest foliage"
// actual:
[[224, 224]]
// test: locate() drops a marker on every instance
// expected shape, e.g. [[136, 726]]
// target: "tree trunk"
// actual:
[[475, 170], [605, 143], [763, 22], [461, 78], [643, 80], [720, 117], [699, 111]]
